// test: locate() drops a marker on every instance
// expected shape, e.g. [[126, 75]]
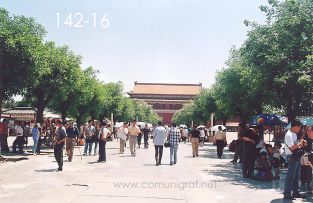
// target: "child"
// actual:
[[276, 159], [264, 167]]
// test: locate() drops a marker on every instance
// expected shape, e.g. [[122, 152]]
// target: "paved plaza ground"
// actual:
[[134, 179]]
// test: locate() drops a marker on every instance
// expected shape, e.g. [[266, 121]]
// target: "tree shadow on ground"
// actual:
[[232, 173], [4, 159], [47, 170]]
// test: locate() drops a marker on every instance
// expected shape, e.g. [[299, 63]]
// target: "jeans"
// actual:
[[173, 153], [292, 177], [35, 146], [158, 153], [88, 145]]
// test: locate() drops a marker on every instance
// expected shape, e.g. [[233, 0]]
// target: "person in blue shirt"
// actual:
[[35, 134]]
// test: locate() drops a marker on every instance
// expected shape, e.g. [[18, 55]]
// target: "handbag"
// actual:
[[167, 144], [297, 153]]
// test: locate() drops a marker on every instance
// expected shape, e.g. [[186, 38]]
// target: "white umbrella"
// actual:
[[215, 128], [201, 126], [183, 126], [141, 124], [119, 124]]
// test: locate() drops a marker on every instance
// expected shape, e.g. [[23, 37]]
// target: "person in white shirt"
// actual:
[[202, 136], [292, 144], [159, 135], [184, 135], [19, 138], [220, 140], [122, 135], [104, 134]]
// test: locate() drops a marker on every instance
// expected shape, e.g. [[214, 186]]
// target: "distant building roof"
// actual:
[[20, 110], [166, 89]]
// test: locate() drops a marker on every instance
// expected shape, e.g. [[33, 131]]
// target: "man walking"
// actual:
[[90, 136], [72, 136], [195, 139], [159, 135], [133, 132], [146, 132], [35, 133], [60, 138], [292, 144], [174, 137], [122, 135]]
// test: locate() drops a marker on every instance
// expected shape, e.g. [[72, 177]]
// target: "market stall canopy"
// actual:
[[304, 120], [268, 120]]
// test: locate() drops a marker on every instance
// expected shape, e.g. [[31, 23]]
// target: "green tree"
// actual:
[[280, 53], [19, 39]]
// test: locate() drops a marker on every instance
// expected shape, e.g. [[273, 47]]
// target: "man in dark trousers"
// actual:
[[60, 137]]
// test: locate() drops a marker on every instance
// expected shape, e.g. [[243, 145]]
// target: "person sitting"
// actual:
[[264, 167], [276, 159]]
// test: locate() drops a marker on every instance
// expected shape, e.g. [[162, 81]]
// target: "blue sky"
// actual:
[[176, 41]]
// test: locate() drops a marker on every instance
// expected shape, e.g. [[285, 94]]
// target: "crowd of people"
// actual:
[[260, 160]]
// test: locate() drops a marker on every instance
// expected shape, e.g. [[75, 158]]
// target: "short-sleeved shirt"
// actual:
[[105, 132], [220, 135], [195, 133], [60, 135], [122, 133], [174, 135], [290, 140], [72, 132], [134, 130], [159, 134]]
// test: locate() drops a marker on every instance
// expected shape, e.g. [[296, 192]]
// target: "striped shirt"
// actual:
[[175, 135]]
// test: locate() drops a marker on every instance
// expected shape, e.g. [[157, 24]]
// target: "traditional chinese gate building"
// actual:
[[165, 98]]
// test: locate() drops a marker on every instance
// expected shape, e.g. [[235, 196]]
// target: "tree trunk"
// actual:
[[40, 105], [1, 81], [224, 121], [258, 109], [290, 113]]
